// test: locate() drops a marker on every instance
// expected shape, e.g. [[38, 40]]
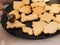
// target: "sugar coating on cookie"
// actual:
[[17, 4], [27, 30], [17, 15], [50, 28], [38, 10], [16, 24], [38, 27], [30, 17], [25, 9], [47, 17]]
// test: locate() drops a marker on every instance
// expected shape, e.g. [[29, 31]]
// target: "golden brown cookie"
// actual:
[[16, 24], [16, 13], [26, 2], [35, 4], [38, 27], [30, 17], [36, 0], [58, 5], [50, 28], [17, 5], [45, 0], [47, 7], [40, 0], [38, 10], [27, 30], [58, 26], [57, 19], [42, 4], [47, 17], [25, 9], [55, 8], [38, 4]]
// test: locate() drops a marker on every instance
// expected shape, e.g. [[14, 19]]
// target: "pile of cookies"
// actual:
[[30, 10]]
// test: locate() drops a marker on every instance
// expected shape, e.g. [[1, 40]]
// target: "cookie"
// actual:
[[25, 9], [38, 10], [35, 4], [47, 17], [58, 5], [17, 5], [30, 17], [51, 28], [36, 0], [40, 0], [38, 27], [55, 8], [27, 30], [57, 19], [17, 15], [16, 24], [58, 26], [42, 4], [47, 7], [26, 2], [45, 0]]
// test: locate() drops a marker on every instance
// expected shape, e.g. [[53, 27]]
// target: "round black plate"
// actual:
[[18, 32]]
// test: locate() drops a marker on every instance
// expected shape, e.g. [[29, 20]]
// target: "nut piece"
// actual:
[[11, 18], [17, 15]]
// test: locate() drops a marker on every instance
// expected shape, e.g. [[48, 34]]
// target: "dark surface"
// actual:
[[18, 32]]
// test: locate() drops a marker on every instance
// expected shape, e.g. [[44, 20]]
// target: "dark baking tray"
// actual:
[[18, 32]]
